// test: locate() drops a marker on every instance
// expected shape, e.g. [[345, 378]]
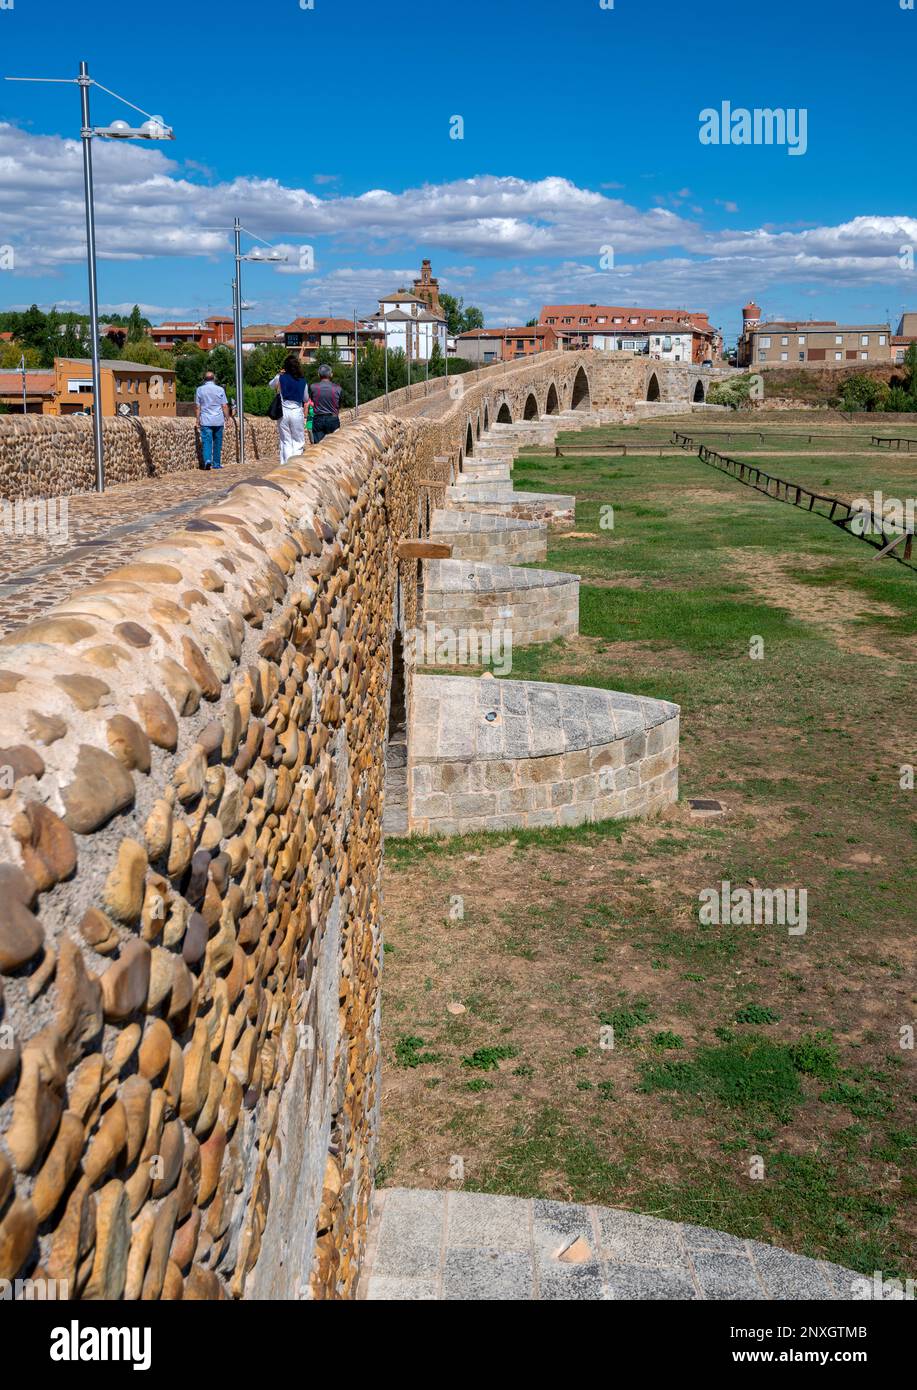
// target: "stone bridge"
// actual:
[[196, 752]]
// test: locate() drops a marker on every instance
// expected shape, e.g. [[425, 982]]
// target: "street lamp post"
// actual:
[[356, 368], [256, 255], [22, 369], [152, 129]]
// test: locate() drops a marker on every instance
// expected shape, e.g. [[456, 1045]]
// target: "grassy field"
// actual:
[[760, 1082]]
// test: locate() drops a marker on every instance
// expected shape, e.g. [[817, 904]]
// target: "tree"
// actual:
[[70, 342], [12, 353], [262, 364], [736, 392], [223, 365], [135, 324], [145, 351], [860, 392], [31, 329], [190, 365], [458, 318], [108, 348]]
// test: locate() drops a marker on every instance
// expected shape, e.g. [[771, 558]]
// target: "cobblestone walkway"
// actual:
[[103, 530], [452, 1246]]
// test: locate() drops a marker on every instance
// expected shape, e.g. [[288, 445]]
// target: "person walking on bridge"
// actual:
[[326, 399], [212, 414], [291, 385]]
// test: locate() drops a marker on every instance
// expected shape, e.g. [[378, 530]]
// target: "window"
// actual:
[[584, 319], [881, 340], [802, 357], [652, 320], [520, 343], [765, 342], [784, 357], [838, 340], [601, 319], [864, 340], [802, 339], [864, 356], [667, 343], [784, 342], [762, 356], [619, 319], [118, 385], [633, 320], [327, 339], [838, 357], [551, 320], [567, 320]]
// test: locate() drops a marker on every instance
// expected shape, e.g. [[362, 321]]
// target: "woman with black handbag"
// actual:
[[287, 408]]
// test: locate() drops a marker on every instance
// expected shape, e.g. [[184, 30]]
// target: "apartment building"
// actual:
[[205, 334], [128, 388], [305, 336], [667, 335], [811, 342], [486, 345]]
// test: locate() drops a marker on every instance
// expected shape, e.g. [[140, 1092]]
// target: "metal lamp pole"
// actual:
[[385, 333], [256, 255], [86, 136], [237, 340], [152, 129], [356, 369], [22, 369]]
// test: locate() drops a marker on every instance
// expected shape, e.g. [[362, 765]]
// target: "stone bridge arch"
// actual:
[[530, 411], [699, 393], [469, 441], [581, 396], [551, 404], [652, 388], [504, 414]]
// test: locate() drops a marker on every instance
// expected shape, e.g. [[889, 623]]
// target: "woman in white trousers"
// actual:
[[292, 424]]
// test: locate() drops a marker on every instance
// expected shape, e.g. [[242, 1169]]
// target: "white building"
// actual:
[[409, 325]]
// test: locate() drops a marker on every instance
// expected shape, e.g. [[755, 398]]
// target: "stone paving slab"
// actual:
[[460, 1246], [104, 530]]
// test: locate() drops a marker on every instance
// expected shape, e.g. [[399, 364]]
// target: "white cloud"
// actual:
[[538, 240]]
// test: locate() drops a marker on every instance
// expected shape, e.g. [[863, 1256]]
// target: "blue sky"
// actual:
[[330, 127]]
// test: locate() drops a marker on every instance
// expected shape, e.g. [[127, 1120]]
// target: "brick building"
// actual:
[[305, 336], [206, 334], [811, 342], [128, 388], [668, 335], [486, 345]]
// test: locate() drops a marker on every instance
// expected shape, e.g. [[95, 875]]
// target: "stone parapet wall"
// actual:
[[495, 754], [193, 752], [53, 456]]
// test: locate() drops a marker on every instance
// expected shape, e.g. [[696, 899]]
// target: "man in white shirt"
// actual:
[[212, 414]]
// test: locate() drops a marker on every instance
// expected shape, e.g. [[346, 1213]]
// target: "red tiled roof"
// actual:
[[510, 332], [611, 311], [35, 383], [322, 326]]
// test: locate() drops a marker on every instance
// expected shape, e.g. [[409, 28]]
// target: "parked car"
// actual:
[[707, 362]]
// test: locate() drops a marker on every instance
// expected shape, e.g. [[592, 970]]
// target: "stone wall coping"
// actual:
[[453, 521], [528, 718], [469, 576]]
